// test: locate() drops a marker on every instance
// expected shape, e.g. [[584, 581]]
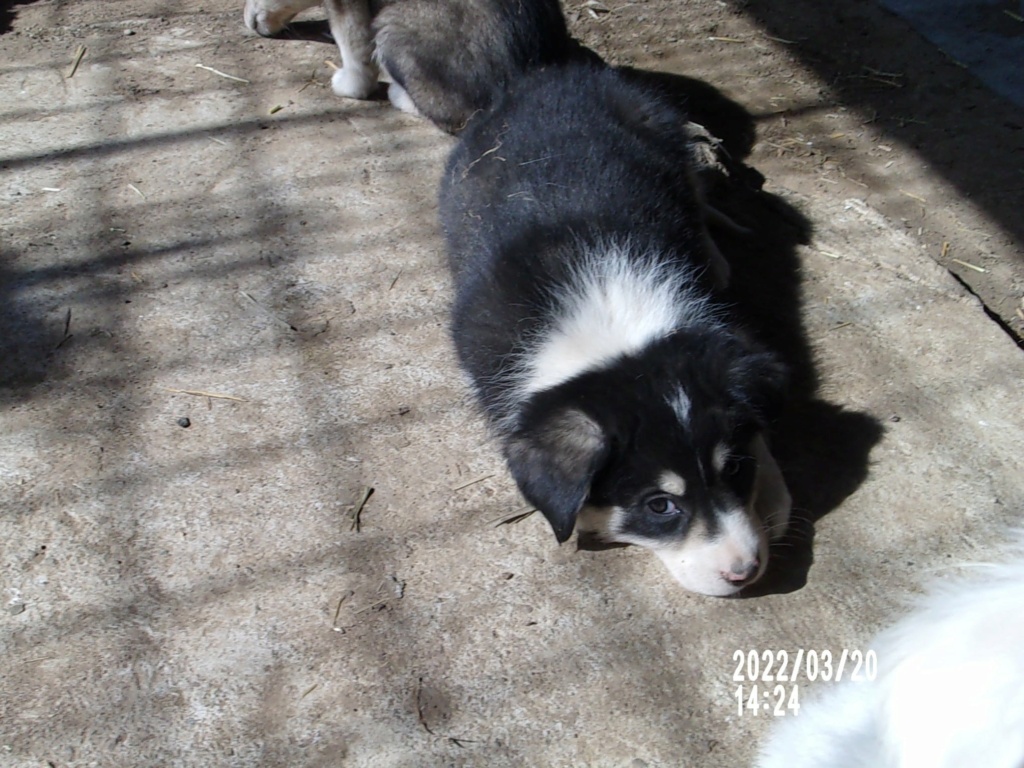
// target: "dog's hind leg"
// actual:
[[350, 25], [713, 169]]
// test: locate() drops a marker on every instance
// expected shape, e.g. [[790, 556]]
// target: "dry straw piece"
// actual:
[[75, 62], [202, 393], [222, 74]]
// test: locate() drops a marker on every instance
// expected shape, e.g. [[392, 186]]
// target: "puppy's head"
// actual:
[[663, 450]]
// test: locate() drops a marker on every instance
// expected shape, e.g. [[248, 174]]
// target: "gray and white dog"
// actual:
[[447, 59], [450, 60]]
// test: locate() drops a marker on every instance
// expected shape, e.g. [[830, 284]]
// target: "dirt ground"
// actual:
[[223, 321]]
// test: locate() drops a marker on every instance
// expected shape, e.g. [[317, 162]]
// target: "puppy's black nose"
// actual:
[[741, 570]]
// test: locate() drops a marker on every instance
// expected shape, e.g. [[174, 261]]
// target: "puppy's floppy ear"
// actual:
[[553, 459]]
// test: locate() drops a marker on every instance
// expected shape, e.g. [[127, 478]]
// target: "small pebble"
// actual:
[[129, 32], [15, 609], [894, 418], [184, 422]]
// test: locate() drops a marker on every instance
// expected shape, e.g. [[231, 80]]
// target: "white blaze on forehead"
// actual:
[[672, 483], [615, 304]]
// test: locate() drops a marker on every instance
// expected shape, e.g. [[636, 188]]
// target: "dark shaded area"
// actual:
[[824, 451], [985, 35], [8, 12], [39, 335], [822, 448], [28, 343], [876, 63], [314, 30], [36, 336]]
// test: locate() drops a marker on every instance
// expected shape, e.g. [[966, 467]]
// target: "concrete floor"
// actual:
[[201, 595]]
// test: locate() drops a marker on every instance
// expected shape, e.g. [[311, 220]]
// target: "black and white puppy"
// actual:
[[447, 58], [626, 404]]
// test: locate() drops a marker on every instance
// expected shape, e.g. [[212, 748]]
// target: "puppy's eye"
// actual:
[[731, 466], [662, 505]]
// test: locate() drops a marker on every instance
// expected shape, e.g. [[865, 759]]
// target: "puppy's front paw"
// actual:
[[354, 82]]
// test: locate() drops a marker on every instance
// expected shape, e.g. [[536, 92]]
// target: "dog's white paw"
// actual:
[[354, 82], [400, 99], [263, 22]]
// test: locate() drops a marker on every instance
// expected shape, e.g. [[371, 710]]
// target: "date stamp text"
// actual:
[[768, 681]]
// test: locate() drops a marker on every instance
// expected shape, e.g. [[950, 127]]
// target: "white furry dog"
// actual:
[[949, 691]]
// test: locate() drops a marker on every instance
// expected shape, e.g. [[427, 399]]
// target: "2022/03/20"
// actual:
[[769, 679]]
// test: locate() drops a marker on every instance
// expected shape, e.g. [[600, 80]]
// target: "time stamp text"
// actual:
[[768, 682]]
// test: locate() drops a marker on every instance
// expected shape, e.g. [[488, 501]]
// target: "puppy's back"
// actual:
[[574, 160], [574, 148]]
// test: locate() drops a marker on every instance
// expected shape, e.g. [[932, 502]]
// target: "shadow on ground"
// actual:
[[822, 448], [8, 12], [877, 64]]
